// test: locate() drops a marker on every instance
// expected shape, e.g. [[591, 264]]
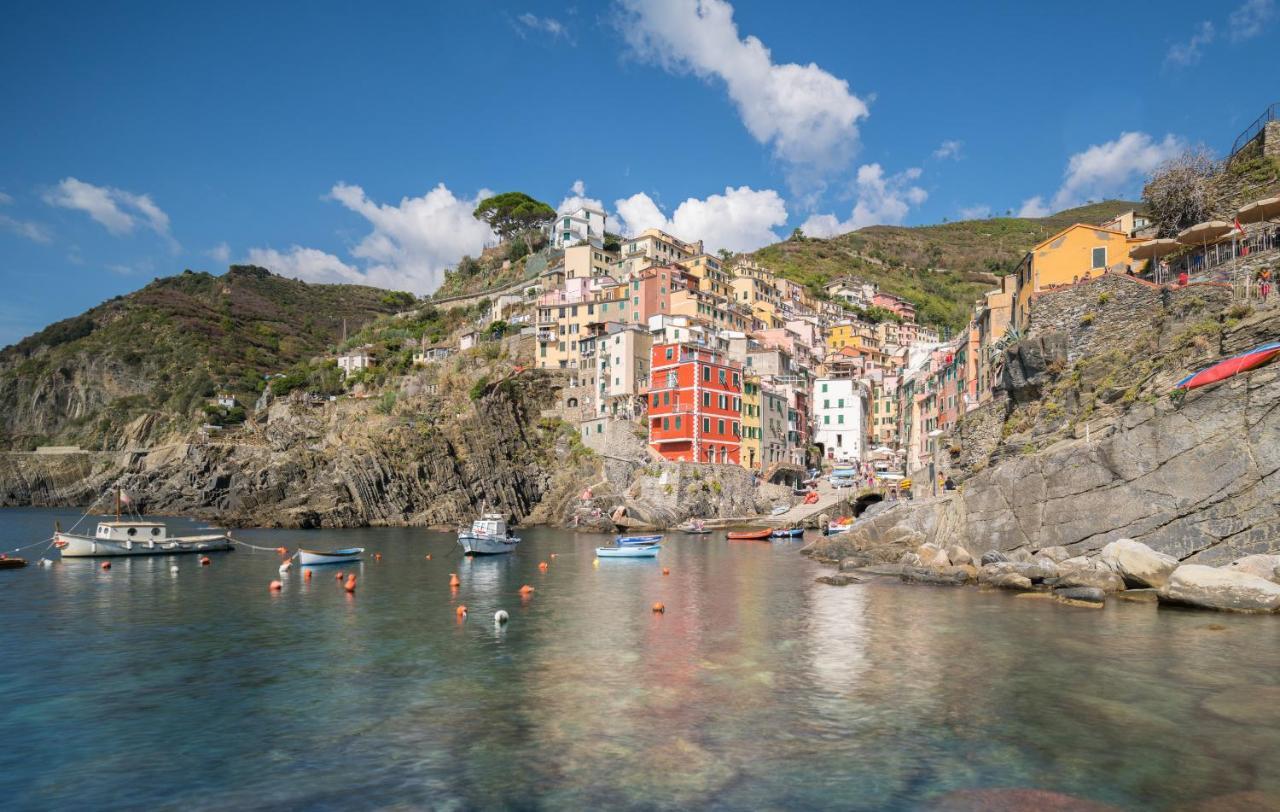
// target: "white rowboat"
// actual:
[[313, 558], [647, 551]]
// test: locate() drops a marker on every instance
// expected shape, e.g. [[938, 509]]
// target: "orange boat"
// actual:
[[762, 535]]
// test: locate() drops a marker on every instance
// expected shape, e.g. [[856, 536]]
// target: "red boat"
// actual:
[[1222, 370], [745, 535]]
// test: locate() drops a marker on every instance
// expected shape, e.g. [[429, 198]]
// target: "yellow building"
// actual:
[[710, 273], [654, 247], [757, 289], [587, 260], [1072, 255], [751, 455]]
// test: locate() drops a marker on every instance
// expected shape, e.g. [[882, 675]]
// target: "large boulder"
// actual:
[[931, 555], [1010, 580], [1263, 566], [1138, 564], [1103, 579], [1028, 364], [992, 557], [1221, 588], [952, 576], [1080, 595], [959, 555], [1056, 554]]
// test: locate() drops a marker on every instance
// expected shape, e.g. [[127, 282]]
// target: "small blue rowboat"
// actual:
[[645, 551], [624, 541], [789, 533]]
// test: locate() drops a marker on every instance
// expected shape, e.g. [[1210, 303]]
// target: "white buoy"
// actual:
[[173, 568], [285, 567], [500, 617], [44, 562]]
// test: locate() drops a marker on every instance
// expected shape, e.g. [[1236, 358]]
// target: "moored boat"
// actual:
[[787, 532], [628, 541], [316, 558], [637, 551], [136, 538], [694, 527], [745, 535], [488, 535], [7, 563]]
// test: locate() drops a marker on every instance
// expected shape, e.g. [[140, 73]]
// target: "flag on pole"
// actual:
[[1239, 227], [124, 497]]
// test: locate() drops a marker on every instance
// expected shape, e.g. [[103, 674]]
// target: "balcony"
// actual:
[[546, 336]]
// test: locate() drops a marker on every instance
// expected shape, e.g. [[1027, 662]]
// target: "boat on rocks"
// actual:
[[488, 535], [635, 551], [750, 535], [318, 558]]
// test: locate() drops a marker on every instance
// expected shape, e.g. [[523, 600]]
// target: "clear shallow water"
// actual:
[[758, 689]]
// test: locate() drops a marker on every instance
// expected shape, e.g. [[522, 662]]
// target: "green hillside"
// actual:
[[941, 268], [165, 348]]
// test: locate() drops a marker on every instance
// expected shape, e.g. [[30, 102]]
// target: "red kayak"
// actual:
[[745, 535], [1222, 370]]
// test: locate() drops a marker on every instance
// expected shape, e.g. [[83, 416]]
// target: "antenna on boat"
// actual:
[[117, 504]]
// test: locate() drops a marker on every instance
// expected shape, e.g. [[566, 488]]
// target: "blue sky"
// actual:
[[340, 142]]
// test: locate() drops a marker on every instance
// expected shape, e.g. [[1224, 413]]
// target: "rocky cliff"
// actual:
[[433, 458], [1100, 450]]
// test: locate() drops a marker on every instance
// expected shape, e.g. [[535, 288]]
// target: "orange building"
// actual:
[[695, 404]]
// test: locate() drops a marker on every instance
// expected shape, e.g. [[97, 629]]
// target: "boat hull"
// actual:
[[487, 545], [316, 558], [628, 541], [72, 546], [792, 533], [750, 535], [628, 552]]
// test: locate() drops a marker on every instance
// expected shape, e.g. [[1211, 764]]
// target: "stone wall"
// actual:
[[1271, 140], [1106, 312], [976, 437]]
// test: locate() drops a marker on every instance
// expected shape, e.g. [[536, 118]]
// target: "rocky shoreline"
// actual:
[[1124, 570]]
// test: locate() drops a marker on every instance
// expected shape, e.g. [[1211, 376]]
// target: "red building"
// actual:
[[695, 404]]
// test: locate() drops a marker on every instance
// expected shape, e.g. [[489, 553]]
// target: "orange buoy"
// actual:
[[526, 590], [666, 571], [428, 556], [275, 586], [461, 611], [351, 583], [659, 607], [542, 565], [306, 575], [204, 561], [453, 579], [282, 551], [338, 577], [106, 565], [377, 556]]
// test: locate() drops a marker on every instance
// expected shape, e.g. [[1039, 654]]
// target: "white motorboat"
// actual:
[[136, 538], [488, 535], [315, 558]]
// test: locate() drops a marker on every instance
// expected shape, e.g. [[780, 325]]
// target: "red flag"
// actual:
[[1239, 227]]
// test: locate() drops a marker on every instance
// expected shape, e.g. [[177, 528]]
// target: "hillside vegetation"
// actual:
[[165, 348], [942, 269]]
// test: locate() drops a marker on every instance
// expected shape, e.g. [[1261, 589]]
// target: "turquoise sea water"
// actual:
[[757, 689]]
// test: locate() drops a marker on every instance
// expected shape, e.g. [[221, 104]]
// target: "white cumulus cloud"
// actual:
[[741, 219], [1034, 207], [220, 253], [806, 114], [31, 230], [881, 200], [531, 23], [577, 198], [410, 246], [1189, 52], [948, 149], [1112, 168], [120, 212], [1249, 20]]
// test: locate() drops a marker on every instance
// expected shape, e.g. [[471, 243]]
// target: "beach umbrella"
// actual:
[[1259, 210], [1202, 234], [1154, 250]]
